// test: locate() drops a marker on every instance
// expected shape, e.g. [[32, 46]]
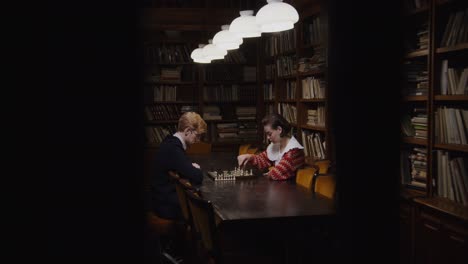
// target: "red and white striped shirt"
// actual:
[[286, 162]]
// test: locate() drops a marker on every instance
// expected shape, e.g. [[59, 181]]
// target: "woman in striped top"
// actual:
[[284, 151]]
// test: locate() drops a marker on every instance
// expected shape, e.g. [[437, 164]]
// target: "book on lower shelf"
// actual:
[[155, 135], [414, 168], [451, 125], [452, 177], [314, 144]]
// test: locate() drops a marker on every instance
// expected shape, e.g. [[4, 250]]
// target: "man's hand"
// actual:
[[196, 165]]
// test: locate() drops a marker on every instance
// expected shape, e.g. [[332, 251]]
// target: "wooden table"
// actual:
[[279, 218], [259, 198]]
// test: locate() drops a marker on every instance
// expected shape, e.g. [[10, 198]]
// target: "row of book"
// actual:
[[314, 144], [286, 66], [316, 117], [164, 93], [164, 53], [246, 112], [213, 112], [290, 89], [232, 92], [184, 73], [270, 71], [232, 132], [453, 81], [314, 31], [234, 56], [280, 43], [452, 177], [414, 167], [451, 125], [161, 112], [313, 88], [289, 112], [249, 74], [156, 134], [268, 91], [416, 77], [456, 30]]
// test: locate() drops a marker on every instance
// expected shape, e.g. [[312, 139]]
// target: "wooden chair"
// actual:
[[247, 149], [304, 177], [163, 228], [325, 185], [205, 225], [199, 148], [243, 149]]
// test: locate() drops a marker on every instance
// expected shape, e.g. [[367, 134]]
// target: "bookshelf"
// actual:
[[435, 97], [434, 149], [223, 92], [229, 100], [294, 80]]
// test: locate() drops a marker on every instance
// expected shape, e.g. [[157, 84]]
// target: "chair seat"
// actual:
[[160, 225]]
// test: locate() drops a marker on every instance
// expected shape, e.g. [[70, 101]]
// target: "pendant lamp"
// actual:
[[227, 40], [245, 26], [212, 52], [197, 55], [276, 16]]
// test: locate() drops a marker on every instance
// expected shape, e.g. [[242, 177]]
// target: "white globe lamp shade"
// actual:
[[197, 55], [276, 16], [212, 52], [245, 26], [227, 40]]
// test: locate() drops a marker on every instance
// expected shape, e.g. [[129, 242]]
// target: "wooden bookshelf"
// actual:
[[176, 102], [321, 100], [317, 128], [160, 122], [415, 98], [304, 48], [415, 141], [458, 47], [451, 97], [454, 147], [171, 83], [311, 73], [417, 53], [432, 203]]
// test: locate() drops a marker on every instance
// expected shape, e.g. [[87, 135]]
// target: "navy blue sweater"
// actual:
[[170, 156]]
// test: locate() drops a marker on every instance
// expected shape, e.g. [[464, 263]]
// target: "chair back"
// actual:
[[180, 189], [243, 149], [203, 221], [323, 165], [304, 177], [199, 148], [326, 185]]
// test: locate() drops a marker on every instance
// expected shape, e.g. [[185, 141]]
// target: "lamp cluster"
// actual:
[[276, 16]]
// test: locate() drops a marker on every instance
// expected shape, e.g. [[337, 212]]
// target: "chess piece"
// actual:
[[250, 172]]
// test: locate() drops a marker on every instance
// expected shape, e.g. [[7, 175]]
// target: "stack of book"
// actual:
[[419, 122], [212, 112], [246, 112], [228, 132]]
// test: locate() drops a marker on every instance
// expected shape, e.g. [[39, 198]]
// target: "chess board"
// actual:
[[231, 175]]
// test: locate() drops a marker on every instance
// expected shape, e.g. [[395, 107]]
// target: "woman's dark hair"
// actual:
[[276, 120]]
